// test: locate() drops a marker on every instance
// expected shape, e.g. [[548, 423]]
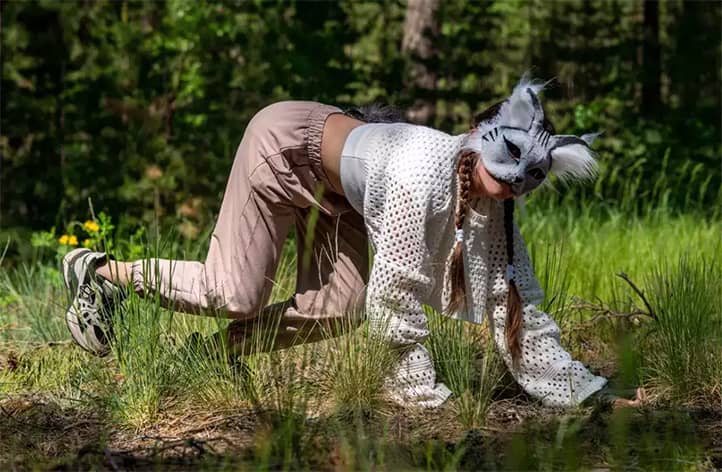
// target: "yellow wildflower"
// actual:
[[68, 240], [91, 226], [88, 243]]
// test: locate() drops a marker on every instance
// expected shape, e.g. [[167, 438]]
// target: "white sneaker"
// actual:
[[90, 313]]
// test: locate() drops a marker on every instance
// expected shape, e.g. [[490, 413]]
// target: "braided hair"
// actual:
[[467, 162], [514, 319]]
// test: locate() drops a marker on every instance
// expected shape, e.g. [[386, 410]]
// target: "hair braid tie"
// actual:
[[514, 319]]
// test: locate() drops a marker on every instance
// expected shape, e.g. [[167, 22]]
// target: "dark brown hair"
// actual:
[[514, 319]]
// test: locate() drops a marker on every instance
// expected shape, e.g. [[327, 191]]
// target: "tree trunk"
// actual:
[[651, 59], [421, 29]]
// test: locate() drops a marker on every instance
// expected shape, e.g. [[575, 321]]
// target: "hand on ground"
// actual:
[[639, 400]]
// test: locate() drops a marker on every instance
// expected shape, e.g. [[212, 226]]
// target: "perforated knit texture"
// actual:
[[546, 370], [409, 206], [414, 380]]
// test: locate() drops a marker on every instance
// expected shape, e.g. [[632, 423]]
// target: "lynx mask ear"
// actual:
[[572, 158]]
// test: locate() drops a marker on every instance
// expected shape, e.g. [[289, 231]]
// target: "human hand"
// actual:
[[639, 400]]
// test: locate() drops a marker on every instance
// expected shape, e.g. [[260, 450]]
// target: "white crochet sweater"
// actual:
[[409, 207]]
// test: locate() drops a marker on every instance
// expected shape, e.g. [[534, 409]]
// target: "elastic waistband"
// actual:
[[314, 133]]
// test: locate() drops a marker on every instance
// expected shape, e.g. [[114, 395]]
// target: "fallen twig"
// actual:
[[640, 293], [603, 311]]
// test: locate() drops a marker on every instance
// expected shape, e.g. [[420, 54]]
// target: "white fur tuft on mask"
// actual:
[[573, 161]]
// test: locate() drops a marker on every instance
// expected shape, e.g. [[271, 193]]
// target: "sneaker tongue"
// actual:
[[97, 258], [110, 291]]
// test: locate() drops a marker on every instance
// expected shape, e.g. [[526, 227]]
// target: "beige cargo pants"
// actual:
[[277, 181]]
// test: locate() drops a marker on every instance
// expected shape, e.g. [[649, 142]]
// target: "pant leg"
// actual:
[[332, 270], [254, 220]]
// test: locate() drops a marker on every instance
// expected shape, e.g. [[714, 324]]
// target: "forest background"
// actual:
[[141, 105]]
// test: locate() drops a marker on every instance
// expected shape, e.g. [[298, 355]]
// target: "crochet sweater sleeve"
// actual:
[[400, 278], [546, 370]]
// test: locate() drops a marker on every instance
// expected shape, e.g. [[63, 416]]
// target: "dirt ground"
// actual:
[[36, 433]]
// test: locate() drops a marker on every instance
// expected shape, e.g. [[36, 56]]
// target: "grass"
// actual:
[[684, 353], [357, 367], [321, 405], [465, 360]]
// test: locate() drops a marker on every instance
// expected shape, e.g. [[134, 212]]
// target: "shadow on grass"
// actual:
[[43, 435], [39, 434]]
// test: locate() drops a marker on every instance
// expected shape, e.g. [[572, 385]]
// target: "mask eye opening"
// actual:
[[538, 174], [513, 149]]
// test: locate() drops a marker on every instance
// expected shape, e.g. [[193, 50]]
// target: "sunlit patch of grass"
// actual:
[[144, 361], [683, 348], [465, 360], [595, 248], [32, 304], [598, 247], [358, 364], [59, 370]]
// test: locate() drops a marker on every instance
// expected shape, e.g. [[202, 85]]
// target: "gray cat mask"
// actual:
[[516, 149]]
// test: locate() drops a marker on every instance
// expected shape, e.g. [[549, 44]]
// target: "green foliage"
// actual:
[[140, 105], [32, 296], [91, 234]]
